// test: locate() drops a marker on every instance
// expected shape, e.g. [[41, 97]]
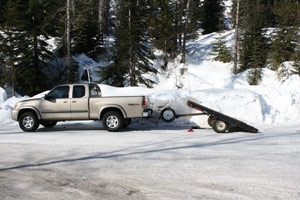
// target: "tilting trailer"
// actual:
[[220, 122]]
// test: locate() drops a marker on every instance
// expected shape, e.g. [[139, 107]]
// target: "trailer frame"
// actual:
[[219, 121]]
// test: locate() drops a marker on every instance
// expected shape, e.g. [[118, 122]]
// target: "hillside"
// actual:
[[212, 84]]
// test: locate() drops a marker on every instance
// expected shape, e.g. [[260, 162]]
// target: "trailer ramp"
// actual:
[[220, 122]]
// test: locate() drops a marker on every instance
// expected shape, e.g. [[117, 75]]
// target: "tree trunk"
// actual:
[[235, 58], [184, 32], [68, 42]]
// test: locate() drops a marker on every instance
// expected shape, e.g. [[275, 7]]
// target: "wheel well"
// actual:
[[106, 110], [27, 110]]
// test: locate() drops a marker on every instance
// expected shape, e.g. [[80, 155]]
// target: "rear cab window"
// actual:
[[95, 91]]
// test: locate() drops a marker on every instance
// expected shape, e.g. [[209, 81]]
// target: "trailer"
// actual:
[[220, 122]]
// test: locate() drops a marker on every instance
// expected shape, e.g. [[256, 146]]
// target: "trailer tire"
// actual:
[[211, 120], [168, 115], [219, 126]]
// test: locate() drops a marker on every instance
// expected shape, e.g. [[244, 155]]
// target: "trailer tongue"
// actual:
[[221, 122]]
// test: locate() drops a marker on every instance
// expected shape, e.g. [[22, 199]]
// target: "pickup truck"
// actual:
[[79, 102]]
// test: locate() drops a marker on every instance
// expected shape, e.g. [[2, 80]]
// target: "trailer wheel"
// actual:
[[168, 115], [220, 126], [211, 120]]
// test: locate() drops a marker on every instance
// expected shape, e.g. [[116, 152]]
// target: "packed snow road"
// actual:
[[83, 161]]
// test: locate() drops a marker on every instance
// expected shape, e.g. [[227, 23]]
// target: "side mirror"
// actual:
[[48, 97]]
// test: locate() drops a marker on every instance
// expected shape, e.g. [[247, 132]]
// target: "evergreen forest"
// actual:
[[125, 33]]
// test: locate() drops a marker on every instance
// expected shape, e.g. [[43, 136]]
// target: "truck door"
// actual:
[[79, 102], [56, 104]]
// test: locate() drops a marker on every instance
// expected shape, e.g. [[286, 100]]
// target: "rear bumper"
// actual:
[[147, 113]]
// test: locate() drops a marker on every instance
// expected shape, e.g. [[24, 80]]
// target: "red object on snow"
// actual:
[[190, 130]]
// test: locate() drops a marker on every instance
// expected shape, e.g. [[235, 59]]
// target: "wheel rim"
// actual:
[[168, 115], [28, 122], [112, 122], [220, 125]]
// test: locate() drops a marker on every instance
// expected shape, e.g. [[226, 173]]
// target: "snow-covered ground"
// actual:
[[148, 162], [155, 160]]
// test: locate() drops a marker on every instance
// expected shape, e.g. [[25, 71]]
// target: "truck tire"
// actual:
[[168, 115], [48, 124], [28, 122], [113, 121], [219, 126]]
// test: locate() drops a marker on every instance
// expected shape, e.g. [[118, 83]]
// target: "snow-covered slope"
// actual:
[[212, 84]]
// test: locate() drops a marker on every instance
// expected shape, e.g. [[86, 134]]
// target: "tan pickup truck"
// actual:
[[79, 102]]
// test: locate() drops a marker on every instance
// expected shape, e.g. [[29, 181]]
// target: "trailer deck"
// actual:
[[221, 122]]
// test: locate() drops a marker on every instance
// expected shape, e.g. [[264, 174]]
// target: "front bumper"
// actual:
[[14, 114]]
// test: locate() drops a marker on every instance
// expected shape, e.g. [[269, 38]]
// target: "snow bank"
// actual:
[[209, 83]]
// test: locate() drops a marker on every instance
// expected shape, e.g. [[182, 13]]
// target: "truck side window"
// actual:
[[59, 92], [78, 91], [95, 91]]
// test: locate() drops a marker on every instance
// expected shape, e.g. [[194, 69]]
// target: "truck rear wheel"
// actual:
[[113, 121], [220, 126], [28, 122]]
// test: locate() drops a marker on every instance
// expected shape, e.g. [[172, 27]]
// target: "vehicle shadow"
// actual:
[[136, 125]]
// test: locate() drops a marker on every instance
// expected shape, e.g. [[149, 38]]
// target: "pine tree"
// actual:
[[284, 40], [85, 34], [132, 57], [221, 51], [212, 18], [164, 30], [34, 47], [10, 52], [253, 43]]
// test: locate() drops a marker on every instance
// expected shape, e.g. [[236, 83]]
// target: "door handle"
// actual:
[[73, 101], [65, 102]]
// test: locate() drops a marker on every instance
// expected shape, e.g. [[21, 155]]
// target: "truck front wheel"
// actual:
[[28, 122], [113, 121]]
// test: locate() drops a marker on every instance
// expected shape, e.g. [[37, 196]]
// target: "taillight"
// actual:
[[144, 102]]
